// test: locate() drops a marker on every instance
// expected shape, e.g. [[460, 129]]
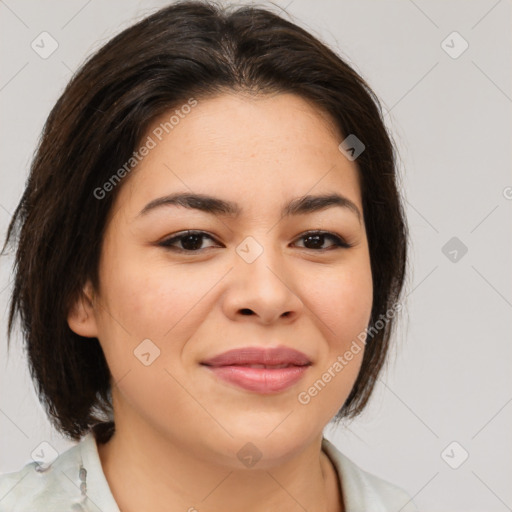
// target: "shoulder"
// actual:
[[55, 488], [364, 491]]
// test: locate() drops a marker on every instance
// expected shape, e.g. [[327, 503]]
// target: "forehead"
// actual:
[[247, 149]]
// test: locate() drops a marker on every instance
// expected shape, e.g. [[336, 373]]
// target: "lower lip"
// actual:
[[260, 380]]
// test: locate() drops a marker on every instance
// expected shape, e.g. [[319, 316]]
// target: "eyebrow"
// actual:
[[216, 206]]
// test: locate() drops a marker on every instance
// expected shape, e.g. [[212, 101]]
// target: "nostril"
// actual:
[[246, 311]]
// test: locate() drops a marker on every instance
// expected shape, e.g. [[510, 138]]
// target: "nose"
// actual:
[[264, 289]]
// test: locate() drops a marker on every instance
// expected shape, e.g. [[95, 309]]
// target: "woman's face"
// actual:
[[166, 305]]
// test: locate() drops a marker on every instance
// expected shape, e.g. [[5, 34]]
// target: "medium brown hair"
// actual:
[[188, 49]]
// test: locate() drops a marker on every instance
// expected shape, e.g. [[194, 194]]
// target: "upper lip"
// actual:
[[259, 355]]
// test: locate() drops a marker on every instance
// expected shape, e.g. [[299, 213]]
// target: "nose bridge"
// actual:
[[257, 255]]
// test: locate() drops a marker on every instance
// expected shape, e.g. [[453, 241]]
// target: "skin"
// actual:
[[178, 427]]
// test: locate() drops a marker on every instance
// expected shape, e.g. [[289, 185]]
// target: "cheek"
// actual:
[[143, 309], [157, 301], [139, 292], [343, 300]]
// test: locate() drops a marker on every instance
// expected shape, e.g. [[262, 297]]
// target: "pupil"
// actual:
[[316, 238], [195, 242]]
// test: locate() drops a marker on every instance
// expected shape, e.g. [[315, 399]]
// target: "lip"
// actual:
[[259, 355], [234, 366]]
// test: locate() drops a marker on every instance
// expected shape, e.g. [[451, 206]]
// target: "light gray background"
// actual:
[[449, 378]]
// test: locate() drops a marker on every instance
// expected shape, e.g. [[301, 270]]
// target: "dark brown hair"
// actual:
[[188, 49]]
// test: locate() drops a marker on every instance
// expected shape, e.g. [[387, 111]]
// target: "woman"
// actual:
[[211, 250]]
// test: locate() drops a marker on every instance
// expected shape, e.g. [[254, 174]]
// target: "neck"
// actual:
[[156, 474]]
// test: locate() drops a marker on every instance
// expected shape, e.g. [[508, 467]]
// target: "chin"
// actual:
[[265, 447]]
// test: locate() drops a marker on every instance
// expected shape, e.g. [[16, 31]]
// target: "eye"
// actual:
[[316, 239], [191, 241]]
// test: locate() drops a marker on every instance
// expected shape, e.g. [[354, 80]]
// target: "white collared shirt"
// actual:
[[75, 482]]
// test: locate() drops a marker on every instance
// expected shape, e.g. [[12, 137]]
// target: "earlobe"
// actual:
[[82, 314]]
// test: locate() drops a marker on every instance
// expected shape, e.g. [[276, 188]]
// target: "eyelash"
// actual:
[[339, 243]]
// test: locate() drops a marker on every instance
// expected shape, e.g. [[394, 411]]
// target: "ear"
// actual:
[[82, 315]]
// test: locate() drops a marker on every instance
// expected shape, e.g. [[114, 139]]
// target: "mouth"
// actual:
[[268, 366], [260, 370]]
